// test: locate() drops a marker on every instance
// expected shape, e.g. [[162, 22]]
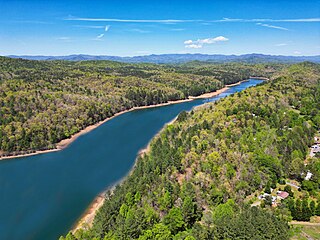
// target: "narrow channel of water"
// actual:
[[42, 196]]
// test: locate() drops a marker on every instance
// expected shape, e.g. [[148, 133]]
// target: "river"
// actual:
[[42, 196]]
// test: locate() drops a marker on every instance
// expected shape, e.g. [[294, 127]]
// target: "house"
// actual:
[[263, 196], [282, 194]]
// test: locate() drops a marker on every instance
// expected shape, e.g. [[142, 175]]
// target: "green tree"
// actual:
[[312, 206], [174, 220], [158, 232], [287, 189], [165, 201], [306, 212], [268, 188], [317, 211], [189, 209], [223, 212]]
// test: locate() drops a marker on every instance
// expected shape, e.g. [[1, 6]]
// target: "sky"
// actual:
[[129, 28]]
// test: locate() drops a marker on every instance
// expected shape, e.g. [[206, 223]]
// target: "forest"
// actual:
[[44, 102], [202, 172]]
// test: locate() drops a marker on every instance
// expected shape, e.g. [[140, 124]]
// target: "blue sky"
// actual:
[[127, 28]]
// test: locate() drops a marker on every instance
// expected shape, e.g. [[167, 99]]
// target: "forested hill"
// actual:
[[203, 171], [43, 102]]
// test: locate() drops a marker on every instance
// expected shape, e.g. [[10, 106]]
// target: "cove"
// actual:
[[42, 196]]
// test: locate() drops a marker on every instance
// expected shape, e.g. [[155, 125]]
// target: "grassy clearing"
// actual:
[[305, 232]]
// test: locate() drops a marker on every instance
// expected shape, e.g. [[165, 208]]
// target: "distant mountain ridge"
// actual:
[[181, 58]]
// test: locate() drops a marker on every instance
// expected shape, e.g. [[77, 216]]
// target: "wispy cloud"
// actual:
[[299, 20], [193, 46], [98, 38], [281, 44], [297, 52], [64, 39], [89, 26], [272, 26], [138, 30], [259, 21], [177, 29], [266, 20], [200, 42], [130, 20]]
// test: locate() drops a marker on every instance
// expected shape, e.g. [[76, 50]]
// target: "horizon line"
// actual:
[[153, 54]]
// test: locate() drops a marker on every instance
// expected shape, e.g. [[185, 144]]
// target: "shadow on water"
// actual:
[[42, 196]]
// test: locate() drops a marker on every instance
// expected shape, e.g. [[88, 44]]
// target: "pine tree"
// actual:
[[292, 209], [306, 212], [312, 207], [317, 211], [298, 211], [267, 188]]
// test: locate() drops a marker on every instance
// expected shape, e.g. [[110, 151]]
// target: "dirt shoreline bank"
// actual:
[[66, 142], [87, 218]]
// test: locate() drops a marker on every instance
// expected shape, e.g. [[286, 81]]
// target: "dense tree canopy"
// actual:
[[44, 102], [193, 182]]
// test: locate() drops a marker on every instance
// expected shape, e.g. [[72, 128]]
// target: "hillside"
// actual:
[[201, 173], [44, 102]]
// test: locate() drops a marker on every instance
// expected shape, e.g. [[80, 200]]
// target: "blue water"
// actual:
[[42, 196]]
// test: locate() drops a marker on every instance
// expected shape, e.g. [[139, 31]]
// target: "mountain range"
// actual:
[[180, 58]]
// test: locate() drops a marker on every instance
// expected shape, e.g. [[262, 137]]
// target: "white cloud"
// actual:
[[266, 20], [213, 40], [107, 28], [257, 20], [194, 46], [281, 44], [64, 39], [188, 42], [177, 29], [100, 36], [71, 18], [299, 20], [297, 52], [138, 30], [272, 26], [86, 26], [200, 42]]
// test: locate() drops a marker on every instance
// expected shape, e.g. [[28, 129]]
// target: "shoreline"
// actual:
[[66, 142], [210, 94], [260, 78], [86, 219], [238, 83]]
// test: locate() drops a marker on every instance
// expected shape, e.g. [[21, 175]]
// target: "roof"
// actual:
[[283, 195]]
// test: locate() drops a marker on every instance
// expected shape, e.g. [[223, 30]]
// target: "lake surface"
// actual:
[[42, 196]]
